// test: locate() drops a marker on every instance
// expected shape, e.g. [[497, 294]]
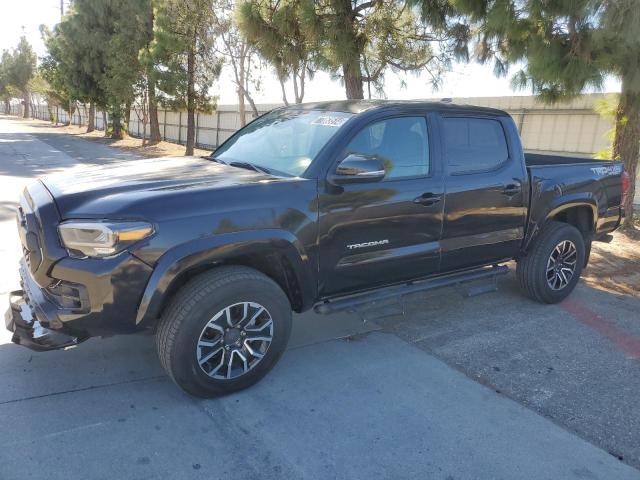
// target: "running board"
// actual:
[[344, 303]]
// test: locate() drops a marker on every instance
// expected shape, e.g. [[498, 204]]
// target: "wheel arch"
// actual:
[[581, 212], [582, 215], [277, 254]]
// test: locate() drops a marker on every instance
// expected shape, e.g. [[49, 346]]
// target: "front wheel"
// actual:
[[551, 269], [224, 331]]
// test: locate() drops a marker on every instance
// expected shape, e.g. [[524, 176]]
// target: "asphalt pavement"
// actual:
[[488, 387]]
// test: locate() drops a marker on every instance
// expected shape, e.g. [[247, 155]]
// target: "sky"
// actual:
[[23, 17]]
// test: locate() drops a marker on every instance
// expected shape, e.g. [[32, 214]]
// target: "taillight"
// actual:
[[625, 186]]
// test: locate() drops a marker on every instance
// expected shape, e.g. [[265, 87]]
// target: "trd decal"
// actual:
[[612, 170]]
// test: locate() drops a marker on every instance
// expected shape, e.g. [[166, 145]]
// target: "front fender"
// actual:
[[217, 249]]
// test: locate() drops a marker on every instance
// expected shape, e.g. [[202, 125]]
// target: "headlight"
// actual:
[[101, 239]]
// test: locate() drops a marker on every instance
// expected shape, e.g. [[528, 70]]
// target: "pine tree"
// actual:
[[6, 92], [275, 30], [183, 54], [359, 41], [20, 69], [76, 58], [146, 60], [127, 30]]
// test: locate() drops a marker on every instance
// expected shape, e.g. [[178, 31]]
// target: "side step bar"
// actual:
[[343, 303]]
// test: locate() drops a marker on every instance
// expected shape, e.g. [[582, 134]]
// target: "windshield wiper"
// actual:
[[251, 166], [219, 160]]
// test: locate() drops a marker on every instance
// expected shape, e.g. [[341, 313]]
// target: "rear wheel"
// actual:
[[224, 331], [552, 267]]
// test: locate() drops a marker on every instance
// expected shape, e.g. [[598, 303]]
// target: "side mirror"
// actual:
[[358, 169]]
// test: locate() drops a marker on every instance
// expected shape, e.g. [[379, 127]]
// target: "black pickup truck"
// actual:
[[325, 206]]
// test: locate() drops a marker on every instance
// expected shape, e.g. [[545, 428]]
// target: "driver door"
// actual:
[[389, 230]]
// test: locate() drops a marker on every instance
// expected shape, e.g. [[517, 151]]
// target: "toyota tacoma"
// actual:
[[326, 206]]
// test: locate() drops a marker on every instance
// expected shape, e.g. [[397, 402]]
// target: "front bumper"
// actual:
[[109, 291], [21, 320]]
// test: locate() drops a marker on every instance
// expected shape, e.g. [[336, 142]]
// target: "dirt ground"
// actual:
[[615, 267], [130, 144]]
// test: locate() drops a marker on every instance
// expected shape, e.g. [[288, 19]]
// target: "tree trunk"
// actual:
[[116, 123], [104, 121], [25, 99], [241, 108], [296, 94], [91, 120], [126, 118], [7, 107], [284, 91], [626, 144], [252, 104], [154, 125], [302, 78], [191, 100], [353, 81]]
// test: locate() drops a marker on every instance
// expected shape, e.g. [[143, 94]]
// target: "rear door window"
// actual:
[[474, 144]]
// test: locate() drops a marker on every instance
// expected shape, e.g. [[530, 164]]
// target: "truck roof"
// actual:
[[359, 106]]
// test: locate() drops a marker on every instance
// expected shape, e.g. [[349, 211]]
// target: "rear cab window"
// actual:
[[474, 144]]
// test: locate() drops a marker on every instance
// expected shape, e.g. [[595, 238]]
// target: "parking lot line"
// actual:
[[625, 341]]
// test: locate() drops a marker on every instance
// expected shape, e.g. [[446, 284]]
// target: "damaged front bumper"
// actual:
[[22, 320], [31, 317]]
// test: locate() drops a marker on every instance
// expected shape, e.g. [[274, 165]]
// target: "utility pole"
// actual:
[[61, 9]]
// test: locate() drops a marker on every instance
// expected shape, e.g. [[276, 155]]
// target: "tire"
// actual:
[[536, 280], [188, 334]]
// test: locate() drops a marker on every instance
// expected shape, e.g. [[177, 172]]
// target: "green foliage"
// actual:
[[21, 66], [5, 86], [566, 46], [607, 109], [76, 59], [274, 29], [354, 40], [17, 70], [183, 54], [93, 53]]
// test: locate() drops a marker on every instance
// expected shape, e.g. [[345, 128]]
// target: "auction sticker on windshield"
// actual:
[[330, 121]]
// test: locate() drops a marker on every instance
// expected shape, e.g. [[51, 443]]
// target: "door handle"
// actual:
[[427, 199], [512, 189]]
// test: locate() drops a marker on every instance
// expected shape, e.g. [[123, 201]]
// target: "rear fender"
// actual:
[[557, 205]]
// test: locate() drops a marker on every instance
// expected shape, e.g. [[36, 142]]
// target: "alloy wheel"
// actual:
[[561, 265], [235, 340]]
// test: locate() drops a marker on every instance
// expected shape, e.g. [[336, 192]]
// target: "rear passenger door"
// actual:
[[485, 209]]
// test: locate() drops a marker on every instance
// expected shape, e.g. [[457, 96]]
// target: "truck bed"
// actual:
[[540, 159]]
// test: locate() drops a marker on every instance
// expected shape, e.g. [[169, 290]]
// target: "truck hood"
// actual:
[[105, 189]]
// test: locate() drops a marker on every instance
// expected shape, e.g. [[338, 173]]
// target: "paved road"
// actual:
[[450, 390]]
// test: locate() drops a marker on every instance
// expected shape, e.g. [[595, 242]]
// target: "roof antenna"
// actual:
[[446, 100]]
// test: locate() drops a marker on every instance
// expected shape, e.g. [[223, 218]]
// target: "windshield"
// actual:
[[284, 141]]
